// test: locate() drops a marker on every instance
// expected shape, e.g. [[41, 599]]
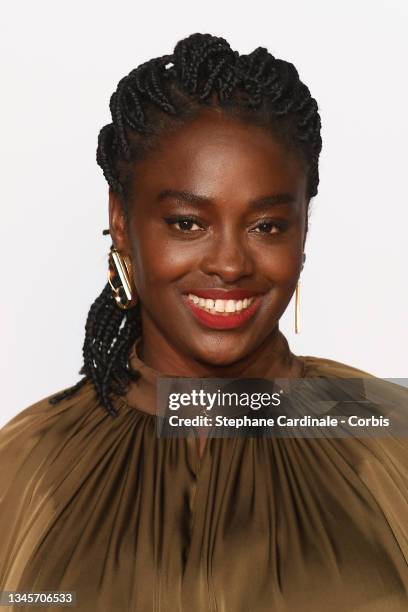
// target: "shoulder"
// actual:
[[33, 438], [47, 433], [385, 396], [47, 450], [31, 446], [363, 390], [381, 460], [320, 366], [43, 413], [32, 423]]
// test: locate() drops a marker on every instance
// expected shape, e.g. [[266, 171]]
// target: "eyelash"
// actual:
[[179, 218]]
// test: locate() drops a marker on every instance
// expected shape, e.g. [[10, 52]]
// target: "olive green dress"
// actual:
[[133, 522]]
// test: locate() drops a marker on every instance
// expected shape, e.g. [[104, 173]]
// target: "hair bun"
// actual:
[[196, 57]]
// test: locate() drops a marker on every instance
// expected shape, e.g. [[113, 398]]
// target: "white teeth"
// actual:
[[221, 306], [230, 306]]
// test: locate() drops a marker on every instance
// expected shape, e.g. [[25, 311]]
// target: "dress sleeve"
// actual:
[[30, 444], [384, 471], [381, 460]]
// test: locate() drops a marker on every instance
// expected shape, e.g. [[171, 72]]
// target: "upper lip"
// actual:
[[222, 294]]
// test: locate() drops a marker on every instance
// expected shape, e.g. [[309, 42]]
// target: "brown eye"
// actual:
[[183, 222], [267, 226]]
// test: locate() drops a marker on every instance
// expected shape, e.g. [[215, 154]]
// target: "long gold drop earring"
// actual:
[[297, 301], [297, 308]]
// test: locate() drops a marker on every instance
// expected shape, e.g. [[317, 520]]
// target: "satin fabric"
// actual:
[[132, 522]]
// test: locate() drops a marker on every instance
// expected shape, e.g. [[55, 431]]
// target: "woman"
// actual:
[[211, 160]]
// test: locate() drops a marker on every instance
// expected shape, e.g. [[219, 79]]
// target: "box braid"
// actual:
[[164, 93]]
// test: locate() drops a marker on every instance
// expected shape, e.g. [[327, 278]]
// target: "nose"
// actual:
[[228, 257]]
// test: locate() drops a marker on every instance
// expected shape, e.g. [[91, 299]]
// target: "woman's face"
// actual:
[[220, 205]]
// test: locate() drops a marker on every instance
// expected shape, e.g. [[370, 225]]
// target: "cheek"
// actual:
[[280, 264], [161, 261]]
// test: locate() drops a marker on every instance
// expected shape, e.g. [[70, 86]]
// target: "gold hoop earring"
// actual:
[[119, 278]]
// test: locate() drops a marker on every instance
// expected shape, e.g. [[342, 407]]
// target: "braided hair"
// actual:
[[164, 93]]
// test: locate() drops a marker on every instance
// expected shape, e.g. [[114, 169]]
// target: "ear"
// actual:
[[117, 223]]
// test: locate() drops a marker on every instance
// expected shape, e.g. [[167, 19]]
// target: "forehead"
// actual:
[[220, 156]]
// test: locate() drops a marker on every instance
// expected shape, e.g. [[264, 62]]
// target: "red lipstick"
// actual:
[[220, 321]]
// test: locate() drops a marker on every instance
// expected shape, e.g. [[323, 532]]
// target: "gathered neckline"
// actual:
[[144, 389]]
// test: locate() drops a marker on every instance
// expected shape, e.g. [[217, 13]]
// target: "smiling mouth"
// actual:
[[222, 314], [221, 307]]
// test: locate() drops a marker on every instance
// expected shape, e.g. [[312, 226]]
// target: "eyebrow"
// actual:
[[261, 203]]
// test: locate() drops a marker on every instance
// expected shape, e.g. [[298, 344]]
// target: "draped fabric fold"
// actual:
[[129, 521]]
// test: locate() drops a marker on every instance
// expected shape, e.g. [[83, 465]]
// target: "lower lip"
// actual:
[[230, 321]]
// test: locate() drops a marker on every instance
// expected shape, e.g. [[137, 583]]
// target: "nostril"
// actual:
[[230, 265]]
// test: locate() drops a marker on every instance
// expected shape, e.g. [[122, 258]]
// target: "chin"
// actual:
[[217, 355], [218, 360]]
